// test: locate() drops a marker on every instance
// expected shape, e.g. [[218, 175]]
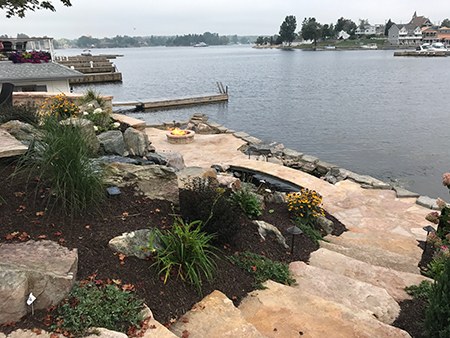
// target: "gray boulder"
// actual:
[[154, 181], [44, 268], [112, 142], [157, 158], [175, 159], [265, 148], [266, 229], [129, 242], [20, 130], [326, 224], [136, 142]]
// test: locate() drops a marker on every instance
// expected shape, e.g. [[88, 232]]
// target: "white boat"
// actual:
[[370, 46], [330, 47], [86, 52], [423, 48], [201, 44], [438, 47]]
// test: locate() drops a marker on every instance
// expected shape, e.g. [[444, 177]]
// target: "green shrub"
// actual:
[[247, 201], [60, 158], [24, 113], [202, 200], [263, 268], [89, 305], [437, 314], [420, 291], [308, 230], [306, 205], [436, 267], [187, 252]]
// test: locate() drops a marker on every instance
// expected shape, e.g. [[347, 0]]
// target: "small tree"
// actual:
[[287, 29], [437, 314], [445, 23], [19, 7], [311, 30]]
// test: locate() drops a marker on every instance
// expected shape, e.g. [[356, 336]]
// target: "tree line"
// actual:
[[311, 29]]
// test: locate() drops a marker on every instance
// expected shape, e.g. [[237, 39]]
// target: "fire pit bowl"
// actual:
[[177, 136]]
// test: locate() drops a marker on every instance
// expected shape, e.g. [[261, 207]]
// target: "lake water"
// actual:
[[365, 111]]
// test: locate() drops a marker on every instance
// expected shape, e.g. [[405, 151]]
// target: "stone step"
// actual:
[[374, 255], [132, 122], [354, 294], [214, 316], [393, 281], [392, 234], [407, 248], [284, 311]]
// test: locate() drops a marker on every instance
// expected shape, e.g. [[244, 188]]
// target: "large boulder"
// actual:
[[112, 142], [136, 142], [175, 159], [20, 130], [44, 268], [265, 148], [155, 181], [158, 158]]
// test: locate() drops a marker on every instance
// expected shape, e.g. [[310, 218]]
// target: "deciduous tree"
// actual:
[[287, 29], [445, 23], [19, 7], [311, 30]]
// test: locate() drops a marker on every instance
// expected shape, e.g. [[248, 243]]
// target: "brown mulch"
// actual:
[[22, 210]]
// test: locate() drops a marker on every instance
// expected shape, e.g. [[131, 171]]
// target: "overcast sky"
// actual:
[[108, 18]]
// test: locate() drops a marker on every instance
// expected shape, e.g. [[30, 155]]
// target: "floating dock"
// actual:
[[96, 69], [420, 54], [175, 101]]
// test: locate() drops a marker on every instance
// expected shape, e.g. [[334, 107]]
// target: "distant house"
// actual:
[[435, 34], [409, 34], [38, 77], [343, 35], [367, 30]]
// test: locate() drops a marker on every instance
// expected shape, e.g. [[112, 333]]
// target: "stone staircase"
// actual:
[[350, 287]]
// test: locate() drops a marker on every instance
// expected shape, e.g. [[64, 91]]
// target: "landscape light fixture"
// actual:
[[428, 229], [294, 231]]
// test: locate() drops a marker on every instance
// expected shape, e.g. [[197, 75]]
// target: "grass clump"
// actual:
[[60, 159], [98, 304], [89, 96], [24, 113], [263, 268], [187, 252]]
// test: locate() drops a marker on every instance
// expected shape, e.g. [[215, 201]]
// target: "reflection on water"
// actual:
[[365, 111]]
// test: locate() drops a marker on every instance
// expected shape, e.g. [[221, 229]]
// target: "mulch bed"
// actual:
[[22, 210]]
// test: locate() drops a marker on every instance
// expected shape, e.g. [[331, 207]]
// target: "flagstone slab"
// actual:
[[215, 316], [403, 247], [9, 146], [350, 292], [375, 256], [284, 311], [393, 281]]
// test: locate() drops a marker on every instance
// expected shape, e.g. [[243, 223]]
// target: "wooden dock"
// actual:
[[174, 101], [420, 54]]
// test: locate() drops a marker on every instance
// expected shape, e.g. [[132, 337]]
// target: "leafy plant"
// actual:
[[186, 252], [437, 314], [305, 204], [420, 291], [60, 159], [308, 230], [263, 268], [247, 201], [98, 304], [436, 267]]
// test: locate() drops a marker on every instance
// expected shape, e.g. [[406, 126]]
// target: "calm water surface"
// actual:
[[365, 111]]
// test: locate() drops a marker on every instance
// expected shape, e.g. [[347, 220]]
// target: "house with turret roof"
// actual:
[[409, 34]]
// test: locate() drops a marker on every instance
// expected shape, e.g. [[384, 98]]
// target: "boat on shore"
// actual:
[[86, 52], [370, 46], [201, 44]]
